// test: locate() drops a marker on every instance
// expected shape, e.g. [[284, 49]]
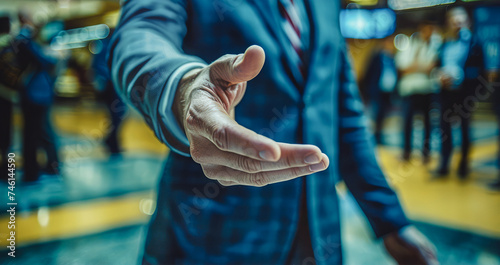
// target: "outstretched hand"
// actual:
[[228, 152]]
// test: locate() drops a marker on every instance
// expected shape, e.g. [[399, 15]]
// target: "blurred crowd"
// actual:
[[442, 68], [30, 64]]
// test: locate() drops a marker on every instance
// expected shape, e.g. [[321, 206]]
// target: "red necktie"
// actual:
[[292, 27]]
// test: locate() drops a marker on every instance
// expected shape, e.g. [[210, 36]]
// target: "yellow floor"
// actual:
[[82, 218], [465, 205]]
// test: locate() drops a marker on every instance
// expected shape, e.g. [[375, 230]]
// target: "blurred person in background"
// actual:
[[37, 96], [416, 86], [461, 63], [104, 85], [10, 72], [380, 82], [166, 59]]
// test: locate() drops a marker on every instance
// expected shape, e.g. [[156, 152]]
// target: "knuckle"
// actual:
[[259, 180], [191, 120], [297, 172], [227, 173], [219, 136], [209, 173], [226, 57], [225, 183], [196, 154], [249, 165], [218, 71], [288, 161]]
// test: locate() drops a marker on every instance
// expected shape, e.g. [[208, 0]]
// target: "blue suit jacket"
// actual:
[[198, 221]]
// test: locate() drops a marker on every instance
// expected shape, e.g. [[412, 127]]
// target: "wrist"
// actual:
[[182, 95]]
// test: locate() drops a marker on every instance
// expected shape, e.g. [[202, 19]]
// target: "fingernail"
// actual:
[[266, 155], [317, 167], [312, 159]]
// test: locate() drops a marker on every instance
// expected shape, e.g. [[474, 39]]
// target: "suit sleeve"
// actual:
[[358, 165], [145, 55]]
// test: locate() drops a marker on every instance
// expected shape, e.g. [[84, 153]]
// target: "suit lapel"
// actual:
[[268, 10], [268, 13], [325, 39]]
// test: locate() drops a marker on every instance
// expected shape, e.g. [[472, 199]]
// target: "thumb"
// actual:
[[240, 68]]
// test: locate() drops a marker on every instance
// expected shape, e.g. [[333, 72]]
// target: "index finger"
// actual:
[[227, 135]]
